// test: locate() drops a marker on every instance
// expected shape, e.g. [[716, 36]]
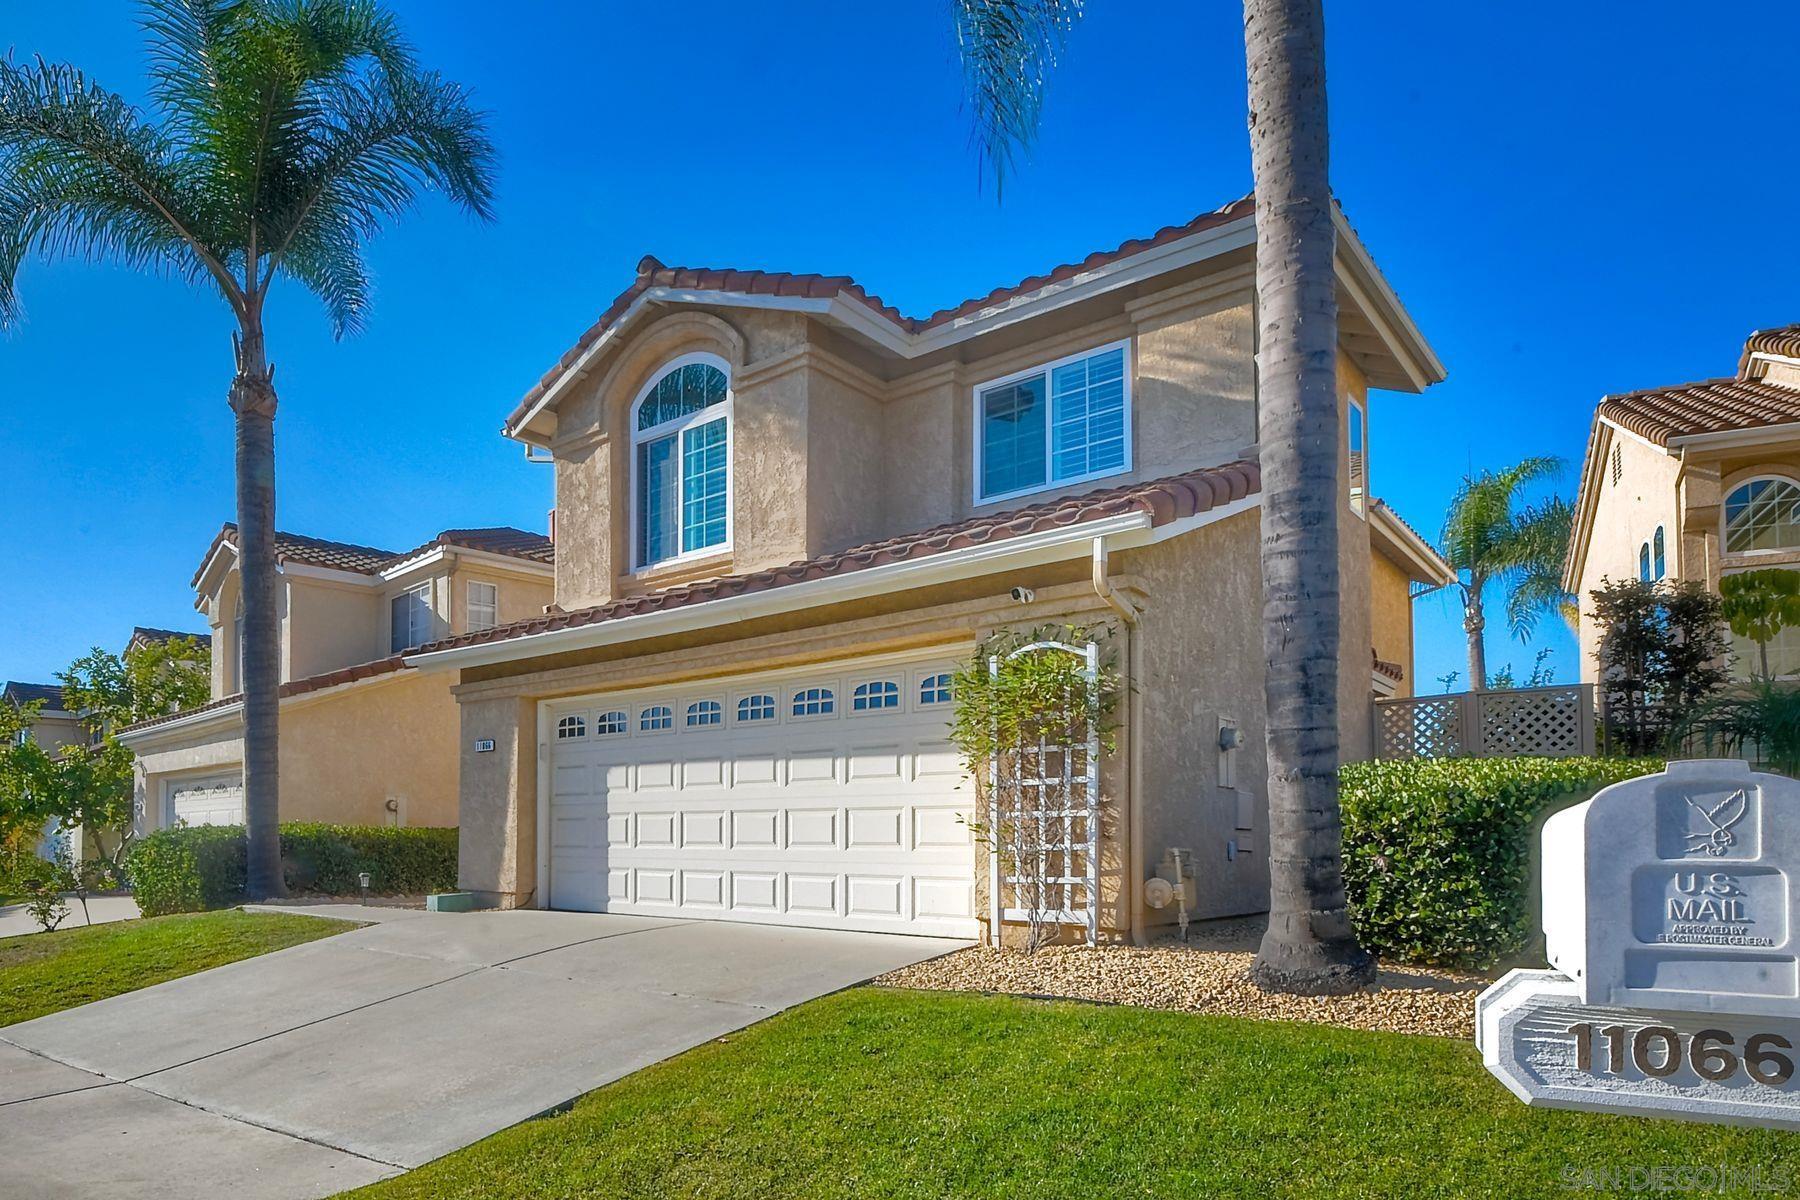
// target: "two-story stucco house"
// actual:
[[364, 740], [786, 513], [1693, 482]]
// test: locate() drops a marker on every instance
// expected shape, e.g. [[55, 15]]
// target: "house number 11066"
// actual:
[[1658, 1051]]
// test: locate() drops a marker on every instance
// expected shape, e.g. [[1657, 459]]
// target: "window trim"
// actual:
[[423, 590], [1358, 501], [1725, 517], [1045, 368], [873, 695], [676, 428], [469, 605]]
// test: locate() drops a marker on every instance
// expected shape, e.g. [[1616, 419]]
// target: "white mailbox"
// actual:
[[1673, 892]]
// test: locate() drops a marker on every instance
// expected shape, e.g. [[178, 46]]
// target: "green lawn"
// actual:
[[42, 973], [875, 1092]]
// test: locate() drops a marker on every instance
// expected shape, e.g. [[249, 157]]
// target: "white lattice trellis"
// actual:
[[1044, 805]]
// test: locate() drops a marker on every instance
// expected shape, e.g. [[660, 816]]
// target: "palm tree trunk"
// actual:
[[1309, 947], [253, 401], [1475, 626]]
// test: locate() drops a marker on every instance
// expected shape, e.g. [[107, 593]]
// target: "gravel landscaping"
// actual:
[[1208, 975]]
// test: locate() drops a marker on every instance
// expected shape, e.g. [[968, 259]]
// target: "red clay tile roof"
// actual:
[[1783, 340], [498, 539], [144, 635], [1711, 406], [368, 560], [1165, 500], [653, 274], [296, 687]]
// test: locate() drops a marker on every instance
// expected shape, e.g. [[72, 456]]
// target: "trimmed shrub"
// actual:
[[1440, 854], [190, 868]]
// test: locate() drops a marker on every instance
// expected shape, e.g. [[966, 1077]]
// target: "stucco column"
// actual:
[[497, 805]]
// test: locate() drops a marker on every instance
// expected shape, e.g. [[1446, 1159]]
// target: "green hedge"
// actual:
[[187, 869], [1439, 854]]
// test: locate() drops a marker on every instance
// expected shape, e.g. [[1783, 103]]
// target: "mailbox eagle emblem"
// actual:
[[1716, 837]]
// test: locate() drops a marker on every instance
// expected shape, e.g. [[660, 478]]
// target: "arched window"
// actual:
[[610, 723], [1762, 514], [657, 716], [681, 461], [704, 712], [1659, 561], [571, 727], [814, 702], [756, 708], [878, 694], [1644, 562], [935, 689]]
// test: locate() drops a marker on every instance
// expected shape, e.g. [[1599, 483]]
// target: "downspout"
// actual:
[[1134, 742]]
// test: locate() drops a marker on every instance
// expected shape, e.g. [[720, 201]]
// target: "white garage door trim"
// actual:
[[217, 798], [754, 840]]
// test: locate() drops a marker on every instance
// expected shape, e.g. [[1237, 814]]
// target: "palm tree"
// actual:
[[1007, 49], [286, 133], [1491, 537]]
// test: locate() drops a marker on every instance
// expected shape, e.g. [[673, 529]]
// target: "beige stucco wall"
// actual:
[[1201, 662], [343, 754], [1626, 515], [1391, 618], [331, 625]]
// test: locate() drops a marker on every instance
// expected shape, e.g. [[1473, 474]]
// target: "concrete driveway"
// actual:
[[343, 1061]]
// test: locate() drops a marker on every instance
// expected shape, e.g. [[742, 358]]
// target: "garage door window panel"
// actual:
[[656, 718], [875, 696], [813, 702]]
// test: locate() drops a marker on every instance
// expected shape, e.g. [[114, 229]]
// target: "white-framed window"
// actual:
[[814, 702], [484, 605], [1644, 562], [411, 618], [570, 727], [1762, 514], [611, 724], [1063, 422], [1357, 440], [760, 707], [704, 712], [656, 717], [875, 695], [1658, 557], [681, 461], [935, 689]]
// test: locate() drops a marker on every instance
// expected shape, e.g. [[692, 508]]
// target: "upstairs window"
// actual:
[[410, 615], [1644, 563], [484, 606], [1357, 437], [1658, 560], [1763, 514], [681, 455], [1064, 422]]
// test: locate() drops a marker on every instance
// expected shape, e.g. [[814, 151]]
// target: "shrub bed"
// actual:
[[188, 869], [1439, 854]]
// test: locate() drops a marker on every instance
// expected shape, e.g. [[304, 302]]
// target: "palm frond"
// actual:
[[1008, 48], [326, 258], [81, 174]]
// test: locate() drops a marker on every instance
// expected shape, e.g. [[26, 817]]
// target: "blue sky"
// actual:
[[1569, 203]]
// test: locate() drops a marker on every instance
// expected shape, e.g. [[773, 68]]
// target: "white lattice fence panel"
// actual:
[[1540, 722], [1419, 727]]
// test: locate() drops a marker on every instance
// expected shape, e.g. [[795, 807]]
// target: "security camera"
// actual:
[[1024, 595]]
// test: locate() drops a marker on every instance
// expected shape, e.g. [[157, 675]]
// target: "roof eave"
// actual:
[[1052, 545]]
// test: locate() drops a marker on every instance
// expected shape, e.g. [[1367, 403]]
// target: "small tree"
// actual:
[[1660, 656], [1026, 714], [1758, 605]]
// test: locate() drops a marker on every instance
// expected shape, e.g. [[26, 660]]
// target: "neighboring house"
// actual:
[[55, 726], [786, 512], [364, 740], [1693, 482]]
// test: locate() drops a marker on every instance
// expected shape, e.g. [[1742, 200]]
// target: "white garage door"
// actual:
[[827, 799], [213, 800]]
